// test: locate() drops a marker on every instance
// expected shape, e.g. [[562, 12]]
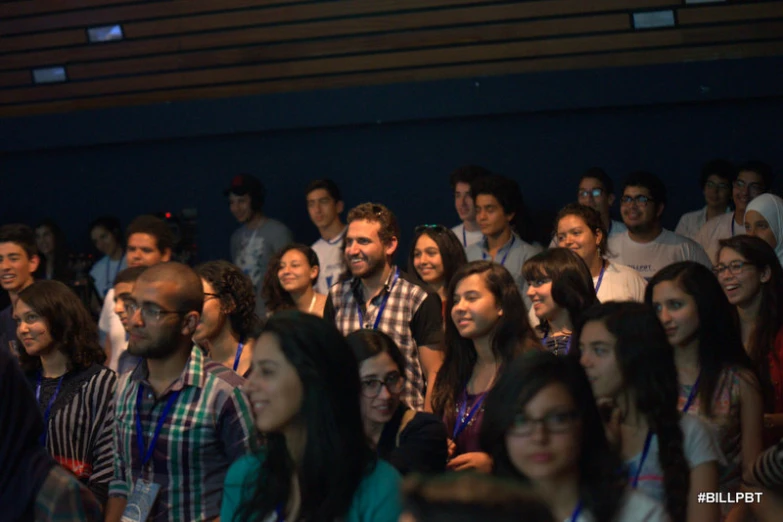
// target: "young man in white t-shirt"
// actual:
[[646, 246], [468, 232], [716, 179], [325, 204], [596, 190]]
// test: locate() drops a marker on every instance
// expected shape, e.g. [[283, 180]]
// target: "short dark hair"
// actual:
[[375, 212], [110, 223], [718, 167], [601, 175], [467, 174], [592, 219], [509, 195], [648, 180], [155, 227], [369, 343], [21, 235], [245, 184], [326, 184], [762, 169], [129, 275], [235, 291]]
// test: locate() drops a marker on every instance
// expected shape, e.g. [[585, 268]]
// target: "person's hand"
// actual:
[[451, 447], [475, 460]]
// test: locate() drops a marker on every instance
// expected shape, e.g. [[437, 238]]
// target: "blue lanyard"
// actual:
[[464, 237], [732, 225], [577, 510], [382, 306], [463, 420], [502, 261], [645, 451], [48, 410], [692, 396], [240, 347], [600, 276], [279, 513], [147, 455]]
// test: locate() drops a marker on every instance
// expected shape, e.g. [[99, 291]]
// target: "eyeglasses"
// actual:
[[639, 200], [422, 228], [371, 388], [734, 267], [596, 192], [559, 422], [720, 186], [753, 188], [150, 313]]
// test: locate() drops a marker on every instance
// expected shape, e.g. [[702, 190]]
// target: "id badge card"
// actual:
[[141, 501]]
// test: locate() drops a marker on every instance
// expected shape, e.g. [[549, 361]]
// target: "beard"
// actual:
[[162, 346], [373, 268]]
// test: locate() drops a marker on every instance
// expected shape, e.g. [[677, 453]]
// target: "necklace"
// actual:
[[312, 304]]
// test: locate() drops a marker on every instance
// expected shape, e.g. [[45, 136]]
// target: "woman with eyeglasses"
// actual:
[[542, 427], [630, 364], [74, 391], [317, 464], [411, 441], [580, 229], [435, 256], [487, 330], [289, 283], [764, 219], [753, 283], [716, 379], [228, 316], [560, 288]]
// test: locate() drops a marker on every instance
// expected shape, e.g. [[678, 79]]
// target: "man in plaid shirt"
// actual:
[[380, 296], [181, 418]]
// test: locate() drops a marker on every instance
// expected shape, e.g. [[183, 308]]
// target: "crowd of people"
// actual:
[[615, 373]]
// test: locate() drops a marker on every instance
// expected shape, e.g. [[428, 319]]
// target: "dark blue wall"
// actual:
[[394, 144]]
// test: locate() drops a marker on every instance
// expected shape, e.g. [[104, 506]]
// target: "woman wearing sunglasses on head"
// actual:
[[435, 256], [542, 427], [409, 440]]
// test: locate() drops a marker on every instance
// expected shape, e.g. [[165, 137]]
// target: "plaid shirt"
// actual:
[[208, 428], [412, 318], [62, 498]]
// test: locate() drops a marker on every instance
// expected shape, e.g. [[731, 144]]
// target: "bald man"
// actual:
[[177, 469]]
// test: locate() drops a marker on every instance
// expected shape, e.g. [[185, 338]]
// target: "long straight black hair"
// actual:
[[337, 455]]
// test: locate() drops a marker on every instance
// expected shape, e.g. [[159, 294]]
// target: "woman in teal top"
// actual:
[[318, 465]]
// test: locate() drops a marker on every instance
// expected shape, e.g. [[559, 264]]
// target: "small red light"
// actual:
[[168, 215]]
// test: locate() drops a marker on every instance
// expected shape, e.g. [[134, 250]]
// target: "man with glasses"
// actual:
[[646, 246], [379, 296], [716, 179], [754, 178], [181, 418], [596, 190]]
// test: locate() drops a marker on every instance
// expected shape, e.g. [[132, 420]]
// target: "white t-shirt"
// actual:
[[698, 446], [648, 258], [109, 325], [332, 261], [714, 230], [467, 238], [634, 507], [104, 271], [691, 222], [620, 283]]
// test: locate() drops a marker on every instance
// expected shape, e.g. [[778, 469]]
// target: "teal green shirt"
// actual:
[[376, 500]]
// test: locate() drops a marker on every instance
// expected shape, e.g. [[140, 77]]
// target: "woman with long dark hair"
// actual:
[[581, 229], [50, 240], [289, 282], [318, 466], [487, 330], [560, 288], [670, 457], [436, 254], [106, 235], [542, 427], [716, 379], [75, 392], [753, 283], [411, 441], [228, 316]]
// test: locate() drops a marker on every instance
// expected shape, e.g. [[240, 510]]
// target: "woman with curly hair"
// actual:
[[289, 283], [671, 457], [74, 391], [228, 316]]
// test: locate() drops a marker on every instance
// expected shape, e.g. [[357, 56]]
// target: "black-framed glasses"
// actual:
[[149, 312], [713, 186], [753, 188], [556, 422], [734, 267], [393, 382], [596, 192], [422, 228], [640, 200]]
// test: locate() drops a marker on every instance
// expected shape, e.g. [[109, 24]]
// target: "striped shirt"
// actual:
[[412, 317], [768, 469], [79, 431], [209, 427]]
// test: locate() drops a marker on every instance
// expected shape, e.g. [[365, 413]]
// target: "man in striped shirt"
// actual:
[[181, 418]]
